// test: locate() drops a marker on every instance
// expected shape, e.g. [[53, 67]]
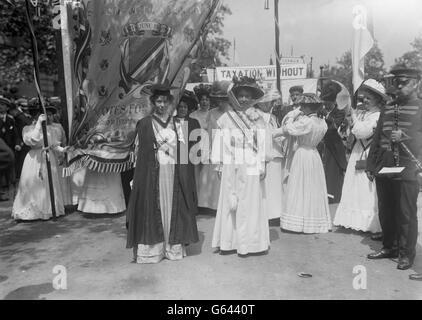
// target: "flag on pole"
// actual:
[[113, 52], [363, 40]]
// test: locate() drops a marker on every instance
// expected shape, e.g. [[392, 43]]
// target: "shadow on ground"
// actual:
[[32, 292]]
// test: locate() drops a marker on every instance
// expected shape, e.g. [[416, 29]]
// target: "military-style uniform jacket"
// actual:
[[9, 132], [409, 120]]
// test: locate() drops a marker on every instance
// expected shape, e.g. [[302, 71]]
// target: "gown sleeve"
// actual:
[[298, 127], [365, 128], [32, 136], [221, 148]]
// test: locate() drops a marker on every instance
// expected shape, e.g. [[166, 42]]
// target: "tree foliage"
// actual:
[[413, 58], [215, 47], [342, 71], [16, 62]]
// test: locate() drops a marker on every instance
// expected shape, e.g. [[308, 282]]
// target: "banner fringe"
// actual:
[[100, 165]]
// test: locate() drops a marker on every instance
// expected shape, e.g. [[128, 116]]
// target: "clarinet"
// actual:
[[396, 150], [412, 157]]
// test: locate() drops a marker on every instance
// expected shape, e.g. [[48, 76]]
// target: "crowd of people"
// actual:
[[293, 163], [222, 149]]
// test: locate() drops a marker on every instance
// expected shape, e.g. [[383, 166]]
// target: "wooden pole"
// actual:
[[34, 48], [277, 45]]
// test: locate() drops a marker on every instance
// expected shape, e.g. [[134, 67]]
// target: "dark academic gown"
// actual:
[[143, 213], [333, 154]]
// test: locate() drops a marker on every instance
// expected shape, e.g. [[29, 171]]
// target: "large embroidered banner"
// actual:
[[113, 51]]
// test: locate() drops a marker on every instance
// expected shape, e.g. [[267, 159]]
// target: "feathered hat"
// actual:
[[247, 84], [202, 90]]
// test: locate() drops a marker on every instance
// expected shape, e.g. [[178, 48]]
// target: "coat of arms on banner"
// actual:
[[117, 50]]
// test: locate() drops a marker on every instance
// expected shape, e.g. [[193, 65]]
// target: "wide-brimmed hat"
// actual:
[[296, 88], [248, 84], [310, 100], [374, 86], [329, 91], [202, 90], [219, 89]]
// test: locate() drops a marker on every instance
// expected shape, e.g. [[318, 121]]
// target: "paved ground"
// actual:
[[99, 267]]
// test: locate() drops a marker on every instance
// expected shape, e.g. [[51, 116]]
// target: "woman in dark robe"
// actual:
[[332, 149], [162, 206]]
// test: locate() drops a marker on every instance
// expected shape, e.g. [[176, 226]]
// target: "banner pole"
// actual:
[[34, 49], [277, 45]]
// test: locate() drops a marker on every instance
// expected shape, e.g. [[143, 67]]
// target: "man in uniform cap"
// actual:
[[280, 112], [9, 133], [400, 123]]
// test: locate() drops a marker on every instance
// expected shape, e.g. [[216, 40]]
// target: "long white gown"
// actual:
[[274, 172], [203, 118], [307, 207], [208, 182], [32, 200], [241, 221], [358, 207]]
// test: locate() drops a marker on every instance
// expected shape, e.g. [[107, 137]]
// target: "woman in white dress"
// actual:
[[358, 207], [274, 156], [307, 207], [101, 193], [202, 92], [207, 182], [241, 222], [32, 200]]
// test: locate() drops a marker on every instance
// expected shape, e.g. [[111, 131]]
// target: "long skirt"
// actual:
[[208, 187], [307, 208], [241, 221], [358, 208], [273, 193], [32, 200], [155, 253], [101, 193]]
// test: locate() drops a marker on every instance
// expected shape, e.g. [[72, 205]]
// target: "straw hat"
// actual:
[[375, 87]]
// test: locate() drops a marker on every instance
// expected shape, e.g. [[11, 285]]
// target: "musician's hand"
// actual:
[[396, 135], [370, 176]]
